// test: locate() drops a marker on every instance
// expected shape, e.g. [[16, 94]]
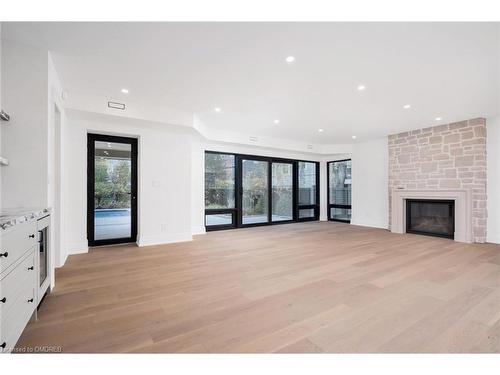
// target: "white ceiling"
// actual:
[[450, 70]]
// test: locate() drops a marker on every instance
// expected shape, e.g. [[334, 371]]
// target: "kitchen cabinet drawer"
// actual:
[[14, 321], [12, 283], [15, 242]]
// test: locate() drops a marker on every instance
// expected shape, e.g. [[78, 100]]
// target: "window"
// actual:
[[308, 194], [246, 190], [220, 190], [339, 190], [282, 192], [255, 191]]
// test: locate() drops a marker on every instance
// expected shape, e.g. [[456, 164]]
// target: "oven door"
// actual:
[[43, 258]]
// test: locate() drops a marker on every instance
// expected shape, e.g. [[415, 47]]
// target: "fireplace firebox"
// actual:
[[430, 217]]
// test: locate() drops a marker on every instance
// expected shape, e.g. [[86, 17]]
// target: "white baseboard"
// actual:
[[163, 239], [493, 238], [371, 225], [81, 247], [61, 261], [198, 230]]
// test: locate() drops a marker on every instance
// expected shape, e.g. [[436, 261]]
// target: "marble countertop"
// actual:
[[10, 217]]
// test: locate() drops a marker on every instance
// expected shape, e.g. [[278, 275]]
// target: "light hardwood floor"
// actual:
[[306, 287]]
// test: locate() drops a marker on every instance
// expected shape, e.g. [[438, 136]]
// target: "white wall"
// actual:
[[1, 109], [164, 167], [24, 137], [493, 175], [370, 194]]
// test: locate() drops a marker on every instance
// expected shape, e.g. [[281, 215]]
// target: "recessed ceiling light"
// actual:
[[217, 109], [353, 137], [361, 87], [276, 121], [438, 118], [320, 130], [109, 145], [407, 106], [125, 91], [290, 59]]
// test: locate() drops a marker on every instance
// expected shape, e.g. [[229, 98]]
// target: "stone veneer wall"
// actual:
[[451, 156]]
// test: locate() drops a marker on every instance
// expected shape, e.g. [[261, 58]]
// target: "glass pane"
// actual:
[[43, 256], [255, 191], [340, 182], [112, 184], [434, 217], [340, 214], [282, 191], [307, 183], [306, 213], [218, 219], [219, 181]]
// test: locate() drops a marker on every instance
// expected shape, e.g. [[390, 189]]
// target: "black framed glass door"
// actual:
[[111, 189], [255, 189], [282, 197], [339, 190]]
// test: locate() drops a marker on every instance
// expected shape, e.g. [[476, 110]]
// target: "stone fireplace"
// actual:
[[441, 163]]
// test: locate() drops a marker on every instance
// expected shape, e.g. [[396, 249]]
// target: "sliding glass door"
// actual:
[[339, 190], [111, 190], [282, 192], [255, 191], [247, 190]]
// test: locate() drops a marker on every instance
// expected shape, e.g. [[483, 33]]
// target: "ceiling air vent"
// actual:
[[115, 105], [253, 139], [309, 147]]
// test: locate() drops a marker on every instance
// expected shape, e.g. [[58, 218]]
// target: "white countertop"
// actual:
[[10, 217]]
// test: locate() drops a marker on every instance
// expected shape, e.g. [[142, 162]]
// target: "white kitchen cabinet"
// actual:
[[19, 276]]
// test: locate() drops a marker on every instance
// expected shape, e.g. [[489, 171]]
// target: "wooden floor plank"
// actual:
[[305, 287]]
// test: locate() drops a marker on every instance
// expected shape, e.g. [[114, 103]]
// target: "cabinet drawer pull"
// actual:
[[3, 300], [30, 300], [31, 268], [31, 236], [4, 344], [6, 254]]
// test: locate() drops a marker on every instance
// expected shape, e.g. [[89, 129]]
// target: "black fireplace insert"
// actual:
[[430, 217]]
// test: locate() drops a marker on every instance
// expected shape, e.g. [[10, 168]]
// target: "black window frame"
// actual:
[[91, 139], [331, 205], [237, 212], [316, 206]]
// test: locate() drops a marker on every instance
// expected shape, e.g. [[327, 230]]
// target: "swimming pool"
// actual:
[[112, 223]]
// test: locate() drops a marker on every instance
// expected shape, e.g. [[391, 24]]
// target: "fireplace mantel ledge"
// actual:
[[463, 209]]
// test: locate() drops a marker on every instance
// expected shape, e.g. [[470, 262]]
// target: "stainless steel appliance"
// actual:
[[44, 276]]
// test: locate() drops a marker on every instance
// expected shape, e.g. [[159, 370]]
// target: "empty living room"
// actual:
[[251, 191]]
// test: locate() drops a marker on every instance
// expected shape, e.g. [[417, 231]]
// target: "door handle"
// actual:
[[6, 254], [31, 268], [3, 300]]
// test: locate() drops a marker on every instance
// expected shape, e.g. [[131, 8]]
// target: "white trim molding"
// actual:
[[463, 209], [163, 239]]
